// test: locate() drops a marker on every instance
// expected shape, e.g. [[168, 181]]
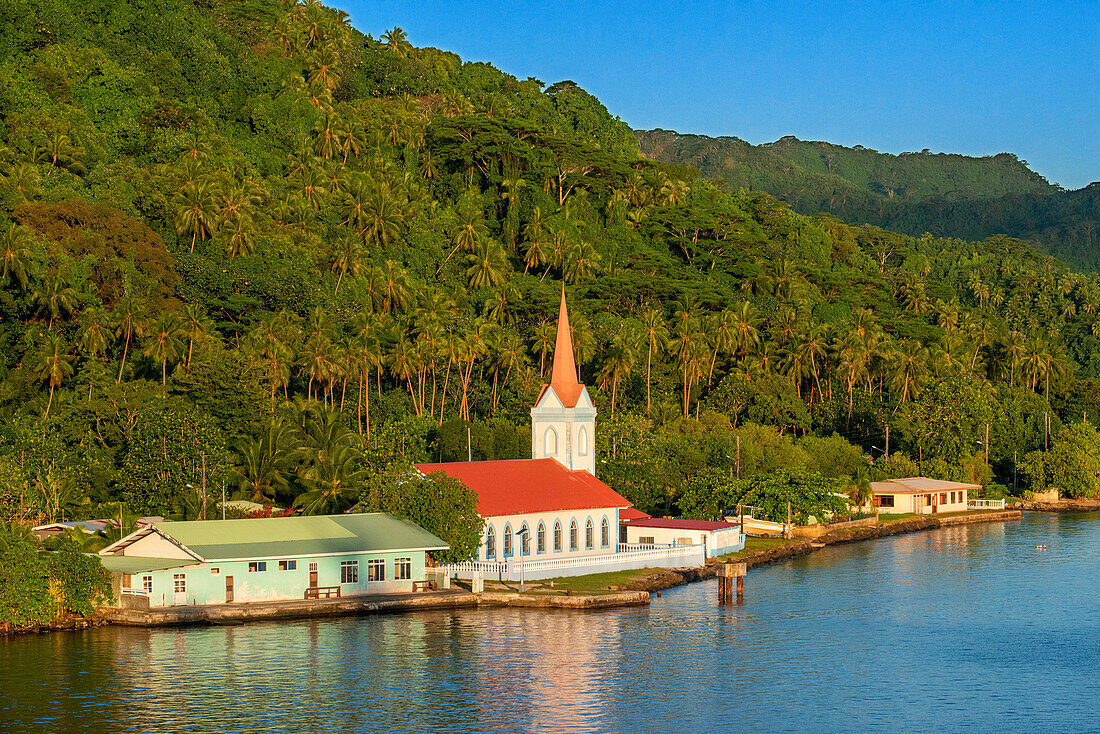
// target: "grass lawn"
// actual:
[[596, 583], [754, 545]]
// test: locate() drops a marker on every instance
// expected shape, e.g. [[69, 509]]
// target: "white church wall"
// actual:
[[501, 523]]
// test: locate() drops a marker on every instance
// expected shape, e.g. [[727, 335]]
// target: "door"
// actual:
[[313, 575], [228, 589]]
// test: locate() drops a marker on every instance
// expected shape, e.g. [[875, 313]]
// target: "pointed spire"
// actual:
[[563, 377]]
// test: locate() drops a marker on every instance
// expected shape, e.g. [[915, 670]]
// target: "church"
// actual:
[[549, 515]]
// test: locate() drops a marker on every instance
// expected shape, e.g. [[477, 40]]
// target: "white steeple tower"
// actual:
[[563, 421]]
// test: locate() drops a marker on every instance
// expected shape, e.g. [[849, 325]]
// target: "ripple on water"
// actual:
[[943, 630]]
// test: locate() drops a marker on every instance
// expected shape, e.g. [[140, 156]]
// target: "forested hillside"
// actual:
[[944, 194], [245, 243]]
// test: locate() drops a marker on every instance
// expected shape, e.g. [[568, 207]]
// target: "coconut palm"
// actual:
[[95, 331], [197, 210], [53, 365], [488, 265], [195, 326], [347, 259], [129, 318], [55, 297], [655, 333], [333, 483], [16, 255], [164, 342], [617, 365]]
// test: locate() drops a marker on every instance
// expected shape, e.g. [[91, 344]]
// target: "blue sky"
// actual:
[[973, 78]]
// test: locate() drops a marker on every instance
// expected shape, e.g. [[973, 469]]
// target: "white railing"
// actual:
[[631, 547], [633, 556], [985, 504], [135, 592]]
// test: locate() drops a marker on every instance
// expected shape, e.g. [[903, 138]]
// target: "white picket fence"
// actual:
[[985, 504], [629, 557]]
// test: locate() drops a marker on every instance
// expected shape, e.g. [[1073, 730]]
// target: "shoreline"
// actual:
[[634, 593]]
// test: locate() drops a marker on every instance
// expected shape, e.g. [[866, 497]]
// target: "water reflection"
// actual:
[[947, 629]]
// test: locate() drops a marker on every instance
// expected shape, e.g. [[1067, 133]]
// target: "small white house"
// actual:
[[717, 537], [920, 495]]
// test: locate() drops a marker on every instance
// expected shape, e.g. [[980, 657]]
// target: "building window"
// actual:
[[557, 536], [605, 533], [645, 539], [507, 540], [943, 498], [376, 570], [550, 442], [589, 535], [349, 572], [573, 536], [179, 583], [147, 584], [525, 540], [952, 498], [288, 565], [540, 540], [582, 442], [403, 569], [490, 542], [257, 566], [215, 571], [884, 500]]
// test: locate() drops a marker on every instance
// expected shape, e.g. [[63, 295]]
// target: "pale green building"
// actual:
[[268, 559]]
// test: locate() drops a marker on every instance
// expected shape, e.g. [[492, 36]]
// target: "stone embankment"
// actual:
[[668, 578], [233, 614], [1066, 505]]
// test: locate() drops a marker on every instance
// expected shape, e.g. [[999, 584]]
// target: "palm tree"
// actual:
[[164, 344], [333, 483], [53, 364], [195, 327], [16, 254], [129, 315], [488, 265], [655, 333], [262, 463], [545, 337], [617, 365], [910, 365], [397, 41], [94, 331], [197, 210], [347, 259], [720, 330], [394, 287], [689, 346], [55, 297], [383, 217], [581, 261], [745, 328], [366, 354]]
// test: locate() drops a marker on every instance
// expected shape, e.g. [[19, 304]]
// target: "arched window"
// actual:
[[573, 536], [605, 533], [490, 542], [525, 540], [550, 442], [540, 541], [582, 442], [557, 536], [507, 540], [589, 535]]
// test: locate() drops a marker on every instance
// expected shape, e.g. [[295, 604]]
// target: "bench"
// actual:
[[425, 586], [315, 592]]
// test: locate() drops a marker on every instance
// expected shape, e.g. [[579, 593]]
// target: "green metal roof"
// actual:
[[140, 564], [269, 537]]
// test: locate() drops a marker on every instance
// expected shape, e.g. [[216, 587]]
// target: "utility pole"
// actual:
[[887, 457], [204, 485], [1046, 431], [986, 444], [1013, 473], [469, 450], [223, 499], [738, 456]]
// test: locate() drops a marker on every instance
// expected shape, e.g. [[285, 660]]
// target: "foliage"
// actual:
[[37, 587], [1072, 465]]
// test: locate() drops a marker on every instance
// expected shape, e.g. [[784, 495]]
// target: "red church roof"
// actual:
[[632, 514], [524, 486]]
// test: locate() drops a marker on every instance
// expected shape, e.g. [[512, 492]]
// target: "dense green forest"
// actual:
[[944, 194], [245, 245]]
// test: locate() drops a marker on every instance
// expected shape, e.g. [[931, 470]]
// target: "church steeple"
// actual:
[[563, 376], [563, 421]]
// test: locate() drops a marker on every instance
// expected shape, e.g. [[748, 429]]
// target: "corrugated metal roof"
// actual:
[[522, 486], [918, 485], [675, 523], [139, 564], [271, 537], [631, 513]]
